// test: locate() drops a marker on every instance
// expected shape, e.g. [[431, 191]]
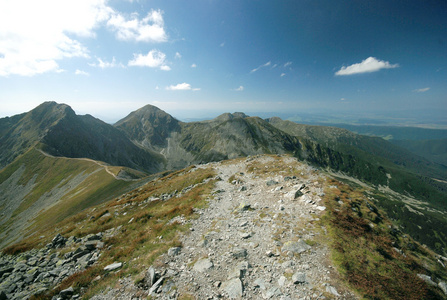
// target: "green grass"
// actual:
[[142, 241], [362, 242], [51, 173]]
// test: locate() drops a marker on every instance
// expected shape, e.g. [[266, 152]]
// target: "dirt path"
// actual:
[[254, 241], [101, 164]]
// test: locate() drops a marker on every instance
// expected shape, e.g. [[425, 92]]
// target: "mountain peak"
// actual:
[[148, 126], [228, 116]]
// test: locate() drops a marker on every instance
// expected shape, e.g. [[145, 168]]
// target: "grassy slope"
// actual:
[[434, 150], [361, 236], [142, 222], [54, 173], [372, 255]]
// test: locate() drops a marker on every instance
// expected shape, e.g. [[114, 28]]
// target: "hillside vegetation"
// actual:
[[172, 224], [34, 185]]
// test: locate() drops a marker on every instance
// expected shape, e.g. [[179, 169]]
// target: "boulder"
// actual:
[[174, 251], [295, 247], [443, 286], [113, 266], [233, 288], [299, 277], [271, 182], [203, 265], [150, 276], [427, 279], [67, 293], [239, 253]]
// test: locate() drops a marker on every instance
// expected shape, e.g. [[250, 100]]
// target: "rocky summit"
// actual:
[[261, 227]]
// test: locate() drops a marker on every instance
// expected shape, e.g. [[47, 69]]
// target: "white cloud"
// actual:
[[343, 99], [148, 29], [222, 44], [239, 89], [193, 66], [79, 72], [421, 90], [287, 64], [261, 66], [283, 74], [34, 35], [153, 59], [182, 87], [105, 64], [178, 55], [371, 64]]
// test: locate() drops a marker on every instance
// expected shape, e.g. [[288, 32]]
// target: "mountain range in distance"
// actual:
[[56, 164]]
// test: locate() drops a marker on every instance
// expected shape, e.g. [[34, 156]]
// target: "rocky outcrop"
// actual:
[[36, 271]]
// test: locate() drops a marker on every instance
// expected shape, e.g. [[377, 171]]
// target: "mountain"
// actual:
[[56, 129], [434, 150], [149, 126], [263, 227], [55, 163], [39, 190], [225, 137], [410, 189], [394, 132]]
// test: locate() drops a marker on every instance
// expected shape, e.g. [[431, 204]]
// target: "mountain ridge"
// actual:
[[151, 140]]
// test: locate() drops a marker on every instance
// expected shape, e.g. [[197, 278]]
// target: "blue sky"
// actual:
[[202, 58]]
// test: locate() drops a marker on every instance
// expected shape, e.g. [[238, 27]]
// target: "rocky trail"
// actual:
[[259, 238]]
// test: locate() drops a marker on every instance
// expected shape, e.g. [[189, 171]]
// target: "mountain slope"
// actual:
[[348, 142], [374, 158], [61, 132], [38, 190], [253, 228], [150, 126], [182, 144], [434, 150]]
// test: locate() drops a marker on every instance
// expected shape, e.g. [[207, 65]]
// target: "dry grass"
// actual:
[[362, 248], [146, 232]]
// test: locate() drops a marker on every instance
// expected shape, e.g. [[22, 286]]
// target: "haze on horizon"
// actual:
[[201, 58]]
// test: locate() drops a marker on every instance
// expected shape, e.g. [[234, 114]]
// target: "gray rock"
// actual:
[[150, 276], [94, 237], [244, 206], [260, 283], [203, 265], [295, 247], [427, 279], [245, 235], [7, 269], [297, 194], [239, 253], [282, 281], [299, 277], [235, 273], [156, 285], [233, 288], [113, 266], [58, 241], [174, 251], [67, 293], [332, 290], [443, 286], [90, 245], [272, 292], [271, 182]]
